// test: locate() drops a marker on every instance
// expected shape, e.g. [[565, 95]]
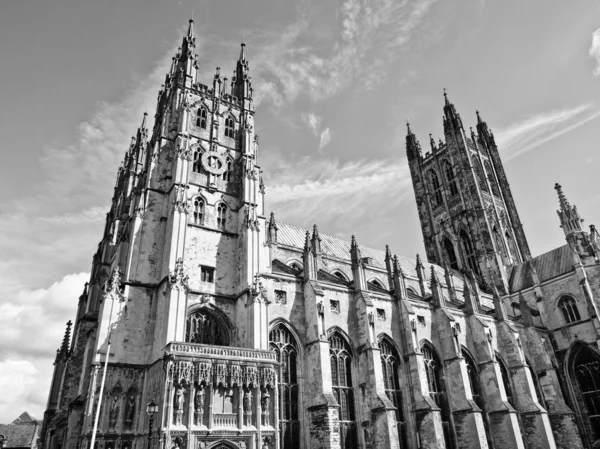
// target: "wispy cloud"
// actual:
[[313, 122], [324, 139], [595, 50], [531, 132]]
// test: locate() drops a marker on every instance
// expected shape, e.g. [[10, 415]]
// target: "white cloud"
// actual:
[[313, 122], [531, 132], [595, 50], [324, 139], [21, 389]]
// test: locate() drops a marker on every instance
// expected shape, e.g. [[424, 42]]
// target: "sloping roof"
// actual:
[[20, 435], [339, 248], [548, 265], [24, 418]]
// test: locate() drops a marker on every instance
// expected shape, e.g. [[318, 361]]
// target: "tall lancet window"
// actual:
[[205, 328], [479, 175], [228, 173], [491, 178], [221, 216], [586, 370], [437, 390], [436, 188], [569, 309], [229, 126], [450, 254], [197, 164], [341, 379], [506, 381], [475, 385], [202, 118], [390, 362], [284, 344], [198, 214], [450, 178], [469, 251]]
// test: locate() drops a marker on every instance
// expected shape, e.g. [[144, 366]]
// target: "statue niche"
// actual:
[[130, 409], [205, 328]]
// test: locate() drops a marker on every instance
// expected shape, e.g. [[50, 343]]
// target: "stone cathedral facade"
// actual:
[[250, 333]]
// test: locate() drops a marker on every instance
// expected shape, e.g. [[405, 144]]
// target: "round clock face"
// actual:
[[213, 163]]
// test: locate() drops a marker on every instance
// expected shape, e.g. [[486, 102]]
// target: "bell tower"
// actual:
[[467, 212]]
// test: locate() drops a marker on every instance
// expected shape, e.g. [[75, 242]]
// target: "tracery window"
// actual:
[[479, 175], [506, 381], [390, 362], [491, 178], [475, 385], [436, 188], [341, 377], [568, 305], [587, 372], [197, 164], [450, 254], [450, 178], [469, 251], [229, 126], [221, 216], [228, 173], [202, 117], [437, 390], [205, 328], [284, 344], [198, 214]]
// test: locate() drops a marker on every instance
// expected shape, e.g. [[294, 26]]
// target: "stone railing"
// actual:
[[228, 420], [220, 352]]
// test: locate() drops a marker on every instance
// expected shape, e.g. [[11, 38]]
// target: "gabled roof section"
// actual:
[[24, 418], [549, 265], [338, 248]]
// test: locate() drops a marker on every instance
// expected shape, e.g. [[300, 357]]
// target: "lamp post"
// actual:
[[151, 409], [3, 441]]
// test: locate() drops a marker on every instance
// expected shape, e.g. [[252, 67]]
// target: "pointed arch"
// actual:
[[221, 215], [202, 117], [536, 383], [568, 306], [450, 178], [436, 188], [449, 253], [437, 389], [197, 159], [469, 251], [479, 177], [340, 275], [205, 326], [390, 367], [376, 283], [198, 210], [340, 355], [491, 178], [476, 390], [283, 342], [230, 126], [228, 173], [506, 380]]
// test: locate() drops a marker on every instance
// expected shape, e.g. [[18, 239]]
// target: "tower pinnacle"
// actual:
[[453, 121], [570, 220], [413, 148]]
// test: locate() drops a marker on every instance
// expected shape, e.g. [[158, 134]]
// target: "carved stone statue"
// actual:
[[248, 406], [179, 404], [199, 405], [264, 403], [113, 413], [130, 410]]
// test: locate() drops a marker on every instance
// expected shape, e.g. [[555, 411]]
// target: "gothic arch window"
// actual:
[[469, 251], [197, 164], [390, 363], [450, 178], [570, 312], [283, 343], [295, 266], [476, 391], [536, 384], [228, 173], [377, 283], [506, 380], [229, 126], [437, 390], [492, 178], [221, 216], [450, 253], [341, 379], [202, 117], [586, 370], [436, 188], [205, 328], [479, 175], [340, 275], [198, 213]]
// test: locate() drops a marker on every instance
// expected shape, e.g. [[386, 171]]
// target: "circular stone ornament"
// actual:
[[213, 163]]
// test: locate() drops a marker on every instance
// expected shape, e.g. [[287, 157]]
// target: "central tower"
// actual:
[[468, 216]]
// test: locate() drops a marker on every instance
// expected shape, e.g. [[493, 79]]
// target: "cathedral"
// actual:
[[208, 324]]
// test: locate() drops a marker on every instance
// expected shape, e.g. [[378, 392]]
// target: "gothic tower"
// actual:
[[468, 216]]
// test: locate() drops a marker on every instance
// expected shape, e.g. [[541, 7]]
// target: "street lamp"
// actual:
[[3, 440], [151, 409]]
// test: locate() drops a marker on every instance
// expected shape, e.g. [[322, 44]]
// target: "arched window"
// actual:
[[197, 164], [295, 266], [340, 275], [198, 214], [228, 173], [450, 178], [205, 328], [450, 254], [568, 305], [341, 379], [284, 344], [437, 390], [479, 175], [536, 384], [506, 381], [221, 216], [586, 368], [202, 118], [436, 192], [390, 362], [229, 126], [469, 251], [475, 385], [491, 178], [377, 284]]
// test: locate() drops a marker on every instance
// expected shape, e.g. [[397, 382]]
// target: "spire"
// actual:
[[272, 229], [241, 80], [432, 143], [388, 253], [484, 132], [570, 220], [453, 121], [316, 240], [436, 289], [354, 250], [307, 245], [190, 31], [64, 349], [242, 53], [413, 148], [421, 274]]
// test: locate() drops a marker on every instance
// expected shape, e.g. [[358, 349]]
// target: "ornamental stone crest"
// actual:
[[178, 279], [181, 203], [112, 288]]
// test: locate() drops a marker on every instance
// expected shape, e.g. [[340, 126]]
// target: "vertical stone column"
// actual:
[[211, 401]]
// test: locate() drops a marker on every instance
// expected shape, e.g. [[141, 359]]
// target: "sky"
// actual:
[[334, 85]]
